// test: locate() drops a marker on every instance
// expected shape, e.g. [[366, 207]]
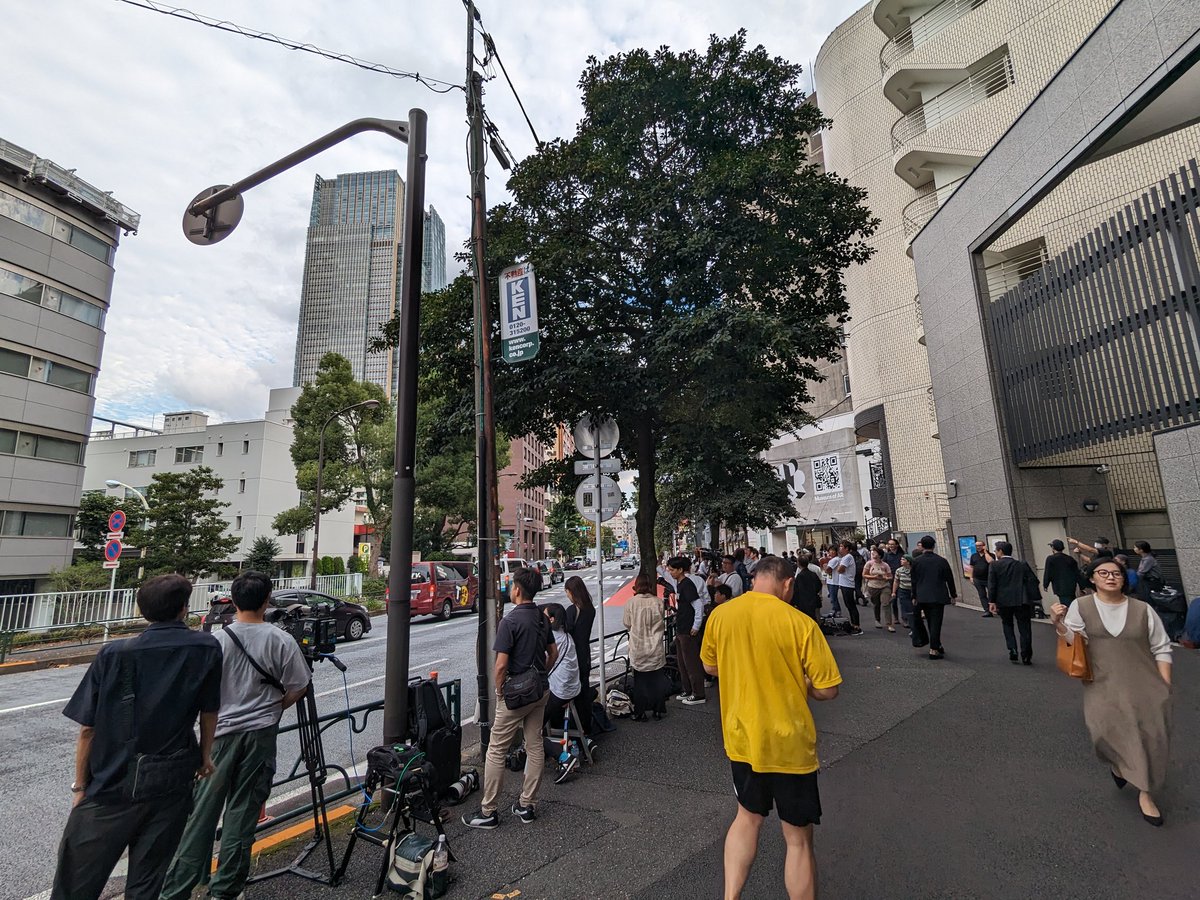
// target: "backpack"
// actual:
[[410, 867], [435, 732]]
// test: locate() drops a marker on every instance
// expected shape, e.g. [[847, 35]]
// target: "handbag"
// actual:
[[1072, 658], [528, 686]]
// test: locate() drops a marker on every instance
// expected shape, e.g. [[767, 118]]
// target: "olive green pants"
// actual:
[[245, 767]]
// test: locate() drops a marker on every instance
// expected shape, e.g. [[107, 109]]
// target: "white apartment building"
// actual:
[[254, 460]]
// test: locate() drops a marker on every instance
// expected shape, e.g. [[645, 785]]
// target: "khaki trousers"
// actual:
[[506, 725]]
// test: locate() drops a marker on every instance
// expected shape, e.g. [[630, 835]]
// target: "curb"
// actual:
[[32, 665]]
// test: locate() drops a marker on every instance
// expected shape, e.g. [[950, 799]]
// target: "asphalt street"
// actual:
[[37, 741]]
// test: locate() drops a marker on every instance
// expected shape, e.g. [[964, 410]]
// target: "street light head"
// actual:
[[112, 483], [371, 404]]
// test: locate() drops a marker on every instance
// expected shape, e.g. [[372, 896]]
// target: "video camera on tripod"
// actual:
[[313, 627]]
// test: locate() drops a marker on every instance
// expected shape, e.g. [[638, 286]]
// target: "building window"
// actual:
[[220, 449], [237, 523], [241, 485], [23, 365], [14, 363], [846, 384], [68, 377], [39, 446], [245, 447], [300, 542], [34, 524], [189, 455], [26, 213], [32, 291], [139, 458]]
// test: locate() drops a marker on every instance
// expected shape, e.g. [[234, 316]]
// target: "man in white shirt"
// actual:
[[729, 576], [842, 572]]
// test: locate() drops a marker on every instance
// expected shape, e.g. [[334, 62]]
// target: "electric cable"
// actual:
[[491, 46], [436, 85]]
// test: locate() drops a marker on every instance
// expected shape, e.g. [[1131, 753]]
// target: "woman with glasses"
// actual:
[[1127, 705]]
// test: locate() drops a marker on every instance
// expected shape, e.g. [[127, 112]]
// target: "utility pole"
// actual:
[[487, 525]]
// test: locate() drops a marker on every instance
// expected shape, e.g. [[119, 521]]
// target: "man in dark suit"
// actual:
[[1013, 592], [933, 590]]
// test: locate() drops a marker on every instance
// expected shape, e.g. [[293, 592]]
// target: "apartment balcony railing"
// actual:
[[922, 29], [986, 81], [918, 212], [920, 320], [933, 422]]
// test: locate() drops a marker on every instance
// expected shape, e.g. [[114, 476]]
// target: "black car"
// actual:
[[353, 620]]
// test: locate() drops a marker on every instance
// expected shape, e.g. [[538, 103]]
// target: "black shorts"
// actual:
[[795, 796]]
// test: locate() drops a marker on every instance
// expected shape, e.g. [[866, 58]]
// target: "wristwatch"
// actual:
[[78, 788]]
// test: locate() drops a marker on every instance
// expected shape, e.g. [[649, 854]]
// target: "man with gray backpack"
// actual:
[[525, 652]]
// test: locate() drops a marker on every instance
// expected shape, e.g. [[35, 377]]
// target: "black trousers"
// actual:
[[981, 590], [1022, 614], [98, 833], [933, 613], [849, 602]]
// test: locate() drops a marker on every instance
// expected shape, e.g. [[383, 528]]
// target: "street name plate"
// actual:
[[608, 466]]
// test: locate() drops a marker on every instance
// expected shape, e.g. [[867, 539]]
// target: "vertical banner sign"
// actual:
[[519, 336]]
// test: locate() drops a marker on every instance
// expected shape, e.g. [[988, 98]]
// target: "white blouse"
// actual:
[[1113, 616]]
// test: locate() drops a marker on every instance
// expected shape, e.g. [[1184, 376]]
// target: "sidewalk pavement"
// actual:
[[964, 778]]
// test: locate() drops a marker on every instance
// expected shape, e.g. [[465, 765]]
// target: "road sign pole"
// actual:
[[112, 587], [600, 573]]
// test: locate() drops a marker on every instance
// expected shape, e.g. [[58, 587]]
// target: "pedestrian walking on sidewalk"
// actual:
[[263, 673], [828, 563], [1013, 593], [1061, 573], [525, 653], [977, 570], [877, 577], [843, 569], [892, 554], [933, 590], [902, 589], [689, 616], [771, 659], [643, 619], [139, 696], [1127, 705]]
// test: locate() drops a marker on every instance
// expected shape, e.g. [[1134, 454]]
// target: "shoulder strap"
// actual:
[[267, 677], [128, 696]]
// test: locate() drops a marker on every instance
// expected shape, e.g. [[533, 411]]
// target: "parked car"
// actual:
[[508, 565], [573, 565], [552, 571], [353, 620], [441, 588]]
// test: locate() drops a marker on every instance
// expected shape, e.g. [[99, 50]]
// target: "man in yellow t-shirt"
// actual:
[[771, 658]]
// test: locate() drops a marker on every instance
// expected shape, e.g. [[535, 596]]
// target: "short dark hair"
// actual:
[[724, 590], [927, 542], [557, 616], [776, 567], [644, 584], [680, 562], [739, 554], [1004, 547], [529, 580], [163, 597], [729, 557], [1090, 571], [849, 545], [1144, 546], [250, 591]]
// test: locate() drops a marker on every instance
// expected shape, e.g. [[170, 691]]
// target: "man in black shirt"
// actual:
[[933, 590], [689, 616], [524, 641], [978, 565], [1061, 573], [136, 707], [1013, 589]]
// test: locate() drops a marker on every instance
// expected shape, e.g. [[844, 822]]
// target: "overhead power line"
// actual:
[[434, 84], [491, 47]]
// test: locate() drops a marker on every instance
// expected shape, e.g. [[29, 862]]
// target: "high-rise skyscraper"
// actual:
[[351, 273], [433, 262]]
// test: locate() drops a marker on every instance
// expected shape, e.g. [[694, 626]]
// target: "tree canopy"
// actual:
[[263, 553], [184, 532]]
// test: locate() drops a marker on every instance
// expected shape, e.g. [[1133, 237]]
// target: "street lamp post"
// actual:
[[365, 404], [113, 483]]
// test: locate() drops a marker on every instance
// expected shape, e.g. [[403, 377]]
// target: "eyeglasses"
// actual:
[[1107, 573]]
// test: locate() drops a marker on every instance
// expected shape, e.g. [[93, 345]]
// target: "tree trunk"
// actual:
[[647, 510]]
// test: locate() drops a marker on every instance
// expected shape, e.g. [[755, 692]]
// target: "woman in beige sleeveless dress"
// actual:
[[1127, 705]]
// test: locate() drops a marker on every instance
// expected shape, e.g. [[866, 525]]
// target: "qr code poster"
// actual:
[[827, 477]]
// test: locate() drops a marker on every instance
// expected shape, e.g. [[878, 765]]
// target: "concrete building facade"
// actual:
[[918, 92], [58, 240], [523, 510], [1068, 391], [254, 460], [433, 253]]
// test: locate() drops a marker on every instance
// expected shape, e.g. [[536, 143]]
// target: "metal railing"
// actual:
[[65, 180], [920, 319], [918, 212], [976, 87], [922, 29], [74, 609]]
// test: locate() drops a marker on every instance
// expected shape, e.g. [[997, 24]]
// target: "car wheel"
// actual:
[[354, 629], [447, 609]]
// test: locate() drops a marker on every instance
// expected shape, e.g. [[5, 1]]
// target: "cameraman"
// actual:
[[264, 673]]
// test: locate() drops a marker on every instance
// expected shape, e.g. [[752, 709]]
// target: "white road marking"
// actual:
[[34, 705], [353, 684]]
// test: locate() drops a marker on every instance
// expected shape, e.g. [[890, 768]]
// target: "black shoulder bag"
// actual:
[[529, 686], [267, 677], [152, 776]]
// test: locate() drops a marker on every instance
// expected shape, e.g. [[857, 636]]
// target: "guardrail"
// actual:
[[73, 609], [916, 214], [975, 88], [922, 29]]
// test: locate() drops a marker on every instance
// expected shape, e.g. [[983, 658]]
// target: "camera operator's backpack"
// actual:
[[435, 732]]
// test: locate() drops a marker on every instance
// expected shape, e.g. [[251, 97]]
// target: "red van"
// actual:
[[440, 588]]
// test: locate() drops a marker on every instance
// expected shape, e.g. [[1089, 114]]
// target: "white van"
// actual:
[[507, 568]]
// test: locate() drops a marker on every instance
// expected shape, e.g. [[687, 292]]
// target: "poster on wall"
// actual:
[[966, 549], [993, 539], [827, 477], [792, 538]]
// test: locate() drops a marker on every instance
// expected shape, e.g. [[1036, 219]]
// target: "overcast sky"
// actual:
[[153, 109]]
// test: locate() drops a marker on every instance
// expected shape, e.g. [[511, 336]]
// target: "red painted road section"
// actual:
[[621, 597]]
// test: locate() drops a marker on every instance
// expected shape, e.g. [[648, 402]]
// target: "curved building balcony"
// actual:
[[918, 212], [919, 30], [892, 16], [920, 320]]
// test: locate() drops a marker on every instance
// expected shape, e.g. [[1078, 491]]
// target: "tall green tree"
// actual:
[[359, 449], [565, 523], [263, 553], [689, 258], [184, 531]]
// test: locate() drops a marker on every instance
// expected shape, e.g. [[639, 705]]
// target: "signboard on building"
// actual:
[[827, 477], [520, 339]]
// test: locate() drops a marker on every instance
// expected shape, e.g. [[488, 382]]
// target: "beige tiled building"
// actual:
[[918, 93]]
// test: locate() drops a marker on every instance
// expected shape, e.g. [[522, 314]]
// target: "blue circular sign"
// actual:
[[112, 551], [116, 521]]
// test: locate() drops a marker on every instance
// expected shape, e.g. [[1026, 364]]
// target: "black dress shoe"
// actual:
[[1012, 656], [1156, 821], [1027, 662], [1117, 779], [987, 615]]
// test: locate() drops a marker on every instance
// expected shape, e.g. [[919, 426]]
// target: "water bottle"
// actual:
[[441, 867]]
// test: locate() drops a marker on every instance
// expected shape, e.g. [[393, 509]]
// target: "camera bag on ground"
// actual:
[[411, 866], [387, 764], [435, 732]]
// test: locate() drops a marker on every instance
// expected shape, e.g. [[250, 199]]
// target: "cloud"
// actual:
[[155, 108]]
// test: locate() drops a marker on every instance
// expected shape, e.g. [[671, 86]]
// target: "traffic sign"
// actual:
[[608, 465], [116, 520], [112, 551], [606, 499], [587, 435], [114, 536], [115, 564], [520, 338]]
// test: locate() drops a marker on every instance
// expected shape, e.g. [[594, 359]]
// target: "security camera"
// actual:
[[1103, 469], [953, 481]]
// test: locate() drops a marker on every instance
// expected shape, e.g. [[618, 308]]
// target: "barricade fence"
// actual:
[[73, 609]]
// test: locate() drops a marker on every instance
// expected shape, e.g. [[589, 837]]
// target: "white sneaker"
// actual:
[[683, 698], [692, 701]]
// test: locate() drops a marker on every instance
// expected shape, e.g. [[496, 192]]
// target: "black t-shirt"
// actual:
[[176, 676], [579, 625], [524, 634], [685, 612], [979, 567]]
